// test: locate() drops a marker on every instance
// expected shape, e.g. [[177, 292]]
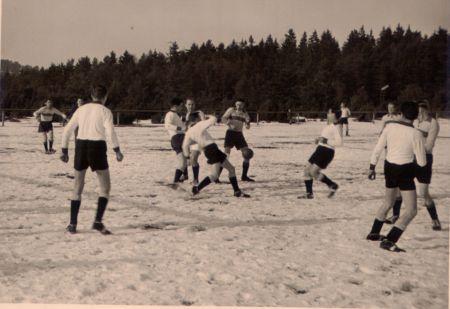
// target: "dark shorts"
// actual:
[[322, 157], [235, 139], [213, 154], [177, 143], [343, 120], [45, 126], [90, 154], [400, 176], [423, 174]]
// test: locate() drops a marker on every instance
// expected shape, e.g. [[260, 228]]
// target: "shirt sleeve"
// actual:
[[432, 135], [419, 148], [68, 129], [108, 122], [168, 122], [227, 114], [202, 115], [381, 144]]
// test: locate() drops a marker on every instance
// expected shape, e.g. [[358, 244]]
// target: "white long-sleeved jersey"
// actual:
[[332, 136], [94, 122], [235, 119], [174, 124], [389, 117], [402, 142], [430, 130], [46, 113], [198, 134]]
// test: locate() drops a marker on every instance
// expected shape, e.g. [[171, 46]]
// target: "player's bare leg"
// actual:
[[424, 192], [246, 164], [76, 200], [44, 140], [104, 181], [50, 142], [181, 166], [380, 219], [395, 209], [227, 152]]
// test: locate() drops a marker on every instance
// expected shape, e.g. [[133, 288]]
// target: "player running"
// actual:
[[192, 117], [198, 134], [44, 116], [343, 120], [176, 128], [236, 117], [94, 122], [402, 142], [322, 157]]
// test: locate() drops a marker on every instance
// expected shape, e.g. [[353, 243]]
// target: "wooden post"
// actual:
[[3, 118], [257, 118], [118, 118]]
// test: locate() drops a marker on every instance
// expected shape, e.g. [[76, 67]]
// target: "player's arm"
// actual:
[[349, 112], [226, 116], [247, 120], [168, 122], [381, 144], [202, 115], [68, 130], [432, 136], [108, 122], [37, 113], [419, 148], [58, 112], [187, 142]]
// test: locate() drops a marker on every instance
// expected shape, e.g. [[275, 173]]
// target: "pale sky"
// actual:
[[39, 32]]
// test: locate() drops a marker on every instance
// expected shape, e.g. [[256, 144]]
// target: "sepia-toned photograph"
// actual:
[[240, 153]]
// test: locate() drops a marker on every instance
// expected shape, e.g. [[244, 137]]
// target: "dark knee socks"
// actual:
[[204, 183], [101, 207], [50, 144], [245, 167], [397, 205], [309, 186], [234, 183], [185, 173], [432, 211], [178, 174], [327, 180], [45, 146], [195, 171], [394, 234], [376, 227], [74, 208]]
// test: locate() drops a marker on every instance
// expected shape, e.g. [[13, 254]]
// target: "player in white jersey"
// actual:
[[236, 117], [176, 129], [44, 115], [343, 120], [391, 116], [95, 123], [322, 157], [429, 127], [198, 134], [402, 142], [192, 117]]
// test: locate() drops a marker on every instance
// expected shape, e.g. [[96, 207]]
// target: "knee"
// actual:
[[232, 171], [213, 177]]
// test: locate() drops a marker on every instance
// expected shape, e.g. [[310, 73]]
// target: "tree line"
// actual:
[[310, 72]]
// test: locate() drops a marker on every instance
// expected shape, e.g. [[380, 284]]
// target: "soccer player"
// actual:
[[322, 157], [236, 117], [176, 129], [94, 122], [429, 127], [403, 142], [392, 115], [44, 116], [72, 111], [343, 120], [198, 134], [192, 117]]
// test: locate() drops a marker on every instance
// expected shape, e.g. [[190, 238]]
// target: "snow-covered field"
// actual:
[[171, 249]]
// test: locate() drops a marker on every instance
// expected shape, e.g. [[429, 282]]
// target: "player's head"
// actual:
[[332, 116], [240, 105], [80, 102], [343, 104], [424, 108], [176, 104], [409, 110], [49, 103], [391, 108], [99, 93], [190, 104]]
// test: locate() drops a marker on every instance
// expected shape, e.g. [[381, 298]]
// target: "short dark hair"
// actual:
[[99, 91], [409, 110], [424, 104], [176, 101]]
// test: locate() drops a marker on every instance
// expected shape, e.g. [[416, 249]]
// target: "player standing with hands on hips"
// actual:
[[94, 122]]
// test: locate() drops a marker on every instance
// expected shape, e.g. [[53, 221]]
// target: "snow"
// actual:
[[169, 248]]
